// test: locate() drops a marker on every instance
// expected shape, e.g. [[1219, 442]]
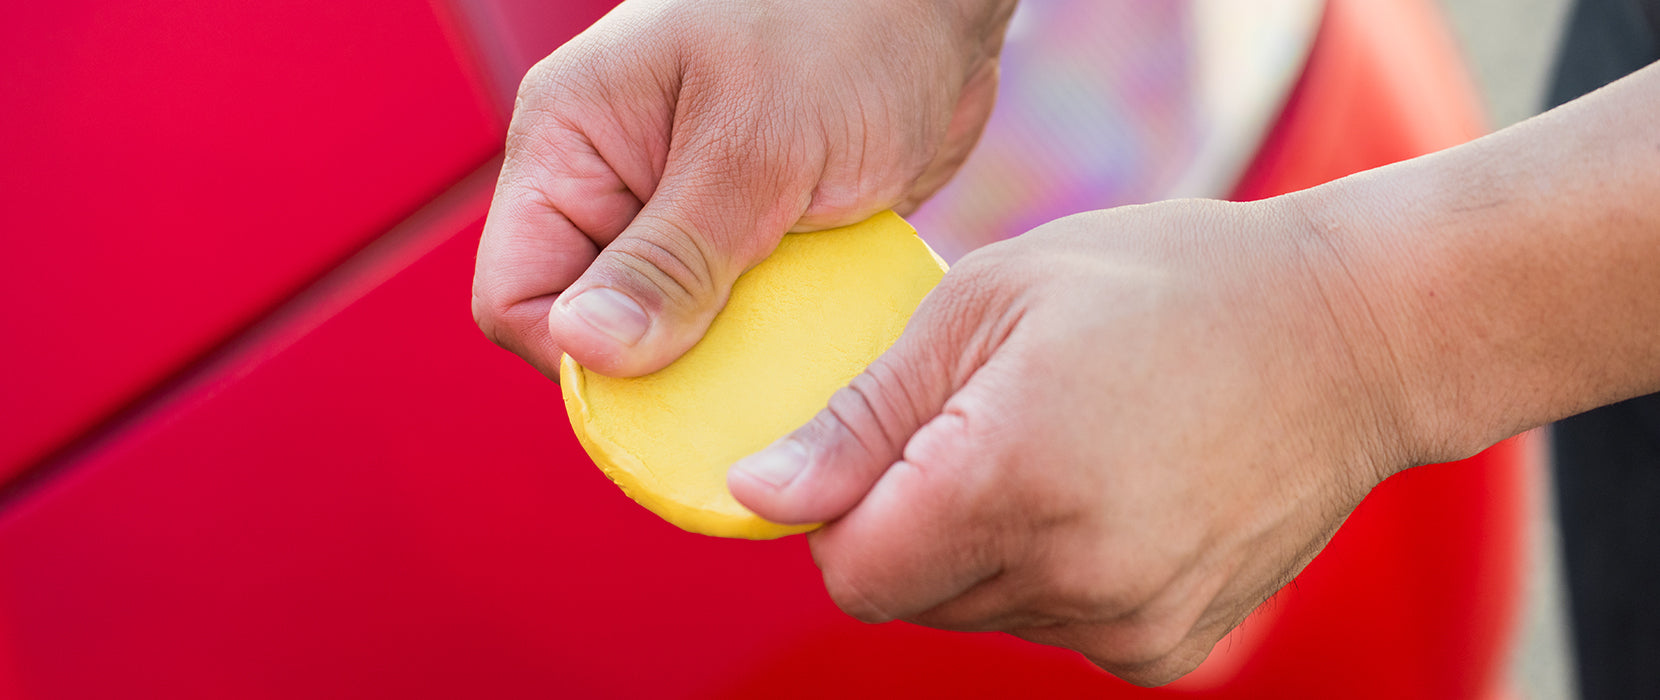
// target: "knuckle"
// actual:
[[558, 75], [553, 99], [1124, 598], [946, 440], [487, 316], [1162, 671], [1152, 652], [837, 201], [669, 259], [542, 87], [1100, 589], [1091, 597], [872, 407], [534, 83], [851, 597], [1150, 648]]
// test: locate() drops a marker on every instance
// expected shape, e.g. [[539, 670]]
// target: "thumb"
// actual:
[[822, 470], [651, 293]]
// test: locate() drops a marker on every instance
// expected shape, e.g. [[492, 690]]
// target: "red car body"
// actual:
[[252, 446]]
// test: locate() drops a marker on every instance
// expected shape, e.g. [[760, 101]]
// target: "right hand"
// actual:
[[666, 150], [1118, 433]]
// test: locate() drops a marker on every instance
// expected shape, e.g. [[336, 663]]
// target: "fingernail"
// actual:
[[777, 465], [611, 312]]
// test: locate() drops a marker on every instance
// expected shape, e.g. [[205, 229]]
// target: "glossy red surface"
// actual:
[[172, 169], [363, 498], [510, 36], [337, 519]]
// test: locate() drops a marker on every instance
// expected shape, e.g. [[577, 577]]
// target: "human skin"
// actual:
[[1122, 431], [665, 150]]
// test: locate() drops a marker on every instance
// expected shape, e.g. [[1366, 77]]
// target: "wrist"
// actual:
[[1418, 280], [1512, 278], [1357, 254]]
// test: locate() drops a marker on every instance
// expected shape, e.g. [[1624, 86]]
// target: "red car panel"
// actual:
[[173, 169], [360, 497]]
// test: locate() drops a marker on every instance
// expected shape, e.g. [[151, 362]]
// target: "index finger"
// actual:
[[906, 548], [556, 204]]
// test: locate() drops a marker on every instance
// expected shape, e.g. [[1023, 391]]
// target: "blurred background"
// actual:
[[252, 446]]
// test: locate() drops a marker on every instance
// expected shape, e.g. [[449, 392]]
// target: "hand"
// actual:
[[1118, 433], [664, 151]]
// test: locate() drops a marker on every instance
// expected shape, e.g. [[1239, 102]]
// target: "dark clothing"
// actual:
[[1608, 460], [1605, 41]]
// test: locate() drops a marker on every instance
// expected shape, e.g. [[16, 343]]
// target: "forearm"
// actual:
[[1513, 280]]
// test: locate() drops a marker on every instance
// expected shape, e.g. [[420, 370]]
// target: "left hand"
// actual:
[[667, 149]]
